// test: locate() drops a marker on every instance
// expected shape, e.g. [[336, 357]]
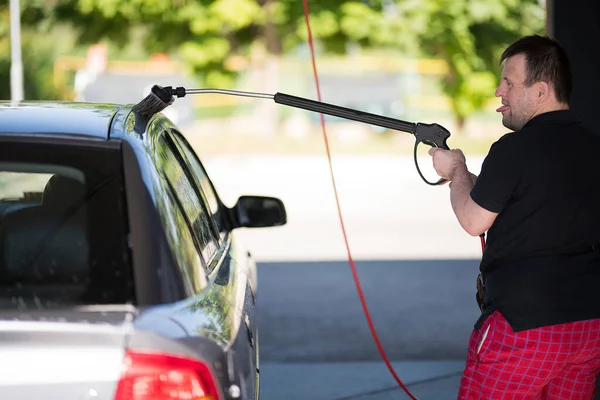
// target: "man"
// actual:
[[538, 198]]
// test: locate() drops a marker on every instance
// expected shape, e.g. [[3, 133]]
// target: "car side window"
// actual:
[[179, 237], [192, 206], [201, 178]]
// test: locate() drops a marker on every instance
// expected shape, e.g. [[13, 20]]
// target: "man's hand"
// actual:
[[451, 165], [446, 162]]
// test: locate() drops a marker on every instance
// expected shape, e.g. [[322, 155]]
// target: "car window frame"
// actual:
[[218, 222], [212, 261], [175, 210], [191, 286]]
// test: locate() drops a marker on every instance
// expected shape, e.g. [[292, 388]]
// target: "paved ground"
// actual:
[[315, 341], [435, 380], [416, 267], [389, 213], [310, 311]]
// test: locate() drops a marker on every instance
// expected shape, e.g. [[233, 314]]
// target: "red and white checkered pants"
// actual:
[[559, 362]]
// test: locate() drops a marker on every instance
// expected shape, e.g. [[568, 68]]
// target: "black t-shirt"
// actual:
[[541, 264]]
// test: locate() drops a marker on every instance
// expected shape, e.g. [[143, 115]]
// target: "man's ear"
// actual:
[[542, 91]]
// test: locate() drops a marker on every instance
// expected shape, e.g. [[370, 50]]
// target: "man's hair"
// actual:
[[546, 61]]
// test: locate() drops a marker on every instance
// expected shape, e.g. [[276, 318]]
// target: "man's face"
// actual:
[[518, 105]]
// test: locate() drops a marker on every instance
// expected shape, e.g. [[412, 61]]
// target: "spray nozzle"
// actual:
[[178, 91]]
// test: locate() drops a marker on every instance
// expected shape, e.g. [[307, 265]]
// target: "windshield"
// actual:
[[63, 227]]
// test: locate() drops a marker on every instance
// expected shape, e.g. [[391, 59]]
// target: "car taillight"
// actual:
[[156, 376]]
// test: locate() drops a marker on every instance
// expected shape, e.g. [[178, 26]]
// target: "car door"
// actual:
[[227, 278]]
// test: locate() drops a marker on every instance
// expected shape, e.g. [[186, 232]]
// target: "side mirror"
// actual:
[[258, 212]]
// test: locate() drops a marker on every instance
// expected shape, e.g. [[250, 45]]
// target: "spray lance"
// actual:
[[433, 135]]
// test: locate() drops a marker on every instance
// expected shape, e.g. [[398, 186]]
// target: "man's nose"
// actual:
[[497, 93]]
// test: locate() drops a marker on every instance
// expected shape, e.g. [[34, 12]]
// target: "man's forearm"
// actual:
[[460, 190]]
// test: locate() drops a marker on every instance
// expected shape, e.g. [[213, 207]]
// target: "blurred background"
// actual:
[[416, 60]]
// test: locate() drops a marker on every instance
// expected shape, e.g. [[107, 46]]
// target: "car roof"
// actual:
[[80, 119]]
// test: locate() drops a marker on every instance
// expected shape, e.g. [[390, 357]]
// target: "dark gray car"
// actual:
[[120, 274]]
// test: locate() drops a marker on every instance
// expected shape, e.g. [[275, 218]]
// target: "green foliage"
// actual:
[[204, 34], [39, 47], [470, 36]]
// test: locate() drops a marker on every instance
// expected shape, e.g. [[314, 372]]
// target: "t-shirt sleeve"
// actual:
[[500, 174]]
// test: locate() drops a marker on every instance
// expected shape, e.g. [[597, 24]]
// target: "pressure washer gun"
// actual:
[[430, 134]]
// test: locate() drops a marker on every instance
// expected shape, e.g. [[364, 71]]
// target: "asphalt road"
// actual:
[[310, 312]]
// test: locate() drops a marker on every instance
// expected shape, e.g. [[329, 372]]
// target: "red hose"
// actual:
[[352, 265]]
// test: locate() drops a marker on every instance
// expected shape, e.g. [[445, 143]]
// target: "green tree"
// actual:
[[205, 33], [40, 44], [208, 34], [470, 36]]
